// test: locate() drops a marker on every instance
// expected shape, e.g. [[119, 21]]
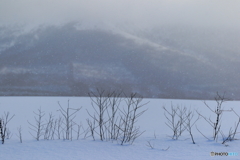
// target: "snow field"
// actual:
[[152, 122]]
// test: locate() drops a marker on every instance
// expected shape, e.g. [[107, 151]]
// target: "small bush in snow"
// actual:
[[38, 126], [176, 119], [69, 115], [216, 123], [112, 122], [4, 130]]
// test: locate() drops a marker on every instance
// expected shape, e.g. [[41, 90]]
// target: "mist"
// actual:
[[137, 13]]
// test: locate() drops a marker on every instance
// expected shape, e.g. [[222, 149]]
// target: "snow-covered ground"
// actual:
[[152, 121]]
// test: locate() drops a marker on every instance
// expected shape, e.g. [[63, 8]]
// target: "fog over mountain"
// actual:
[[163, 49]]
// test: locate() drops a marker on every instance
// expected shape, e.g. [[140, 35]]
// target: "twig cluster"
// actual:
[[62, 127], [110, 122], [175, 120], [128, 118], [68, 116], [149, 144], [180, 119], [189, 123]]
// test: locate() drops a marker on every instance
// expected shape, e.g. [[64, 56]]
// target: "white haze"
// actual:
[[137, 13]]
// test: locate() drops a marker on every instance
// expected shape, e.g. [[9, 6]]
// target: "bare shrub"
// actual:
[[109, 121], [79, 126], [216, 124], [38, 127], [218, 111], [189, 123], [92, 127], [128, 118], [50, 127], [176, 119], [100, 104], [69, 115], [114, 103], [4, 130], [59, 122]]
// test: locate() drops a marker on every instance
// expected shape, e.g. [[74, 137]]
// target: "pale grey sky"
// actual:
[[143, 13]]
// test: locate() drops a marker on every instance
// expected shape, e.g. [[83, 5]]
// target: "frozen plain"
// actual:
[[152, 121]]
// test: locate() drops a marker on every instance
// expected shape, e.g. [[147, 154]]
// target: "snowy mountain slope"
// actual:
[[67, 60]]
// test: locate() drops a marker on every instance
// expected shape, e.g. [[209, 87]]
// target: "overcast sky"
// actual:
[[143, 13]]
